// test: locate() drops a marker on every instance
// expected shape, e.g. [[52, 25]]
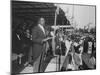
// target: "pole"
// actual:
[[53, 40]]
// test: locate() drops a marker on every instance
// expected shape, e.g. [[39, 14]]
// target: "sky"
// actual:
[[82, 15]]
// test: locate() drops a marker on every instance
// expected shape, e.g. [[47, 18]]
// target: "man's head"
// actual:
[[41, 21]]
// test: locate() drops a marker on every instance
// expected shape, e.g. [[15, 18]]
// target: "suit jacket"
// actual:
[[37, 37]]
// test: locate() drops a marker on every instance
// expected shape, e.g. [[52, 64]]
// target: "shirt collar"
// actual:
[[40, 25]]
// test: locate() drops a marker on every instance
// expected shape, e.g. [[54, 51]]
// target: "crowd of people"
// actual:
[[79, 50], [80, 53]]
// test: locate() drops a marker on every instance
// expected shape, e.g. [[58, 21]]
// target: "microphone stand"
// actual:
[[59, 59]]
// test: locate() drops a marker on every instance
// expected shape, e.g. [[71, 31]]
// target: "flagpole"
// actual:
[[53, 40], [53, 43], [55, 18], [55, 23]]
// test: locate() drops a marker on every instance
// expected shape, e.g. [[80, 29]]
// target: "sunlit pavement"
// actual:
[[52, 66]]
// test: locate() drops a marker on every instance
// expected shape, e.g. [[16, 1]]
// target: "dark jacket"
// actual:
[[37, 37]]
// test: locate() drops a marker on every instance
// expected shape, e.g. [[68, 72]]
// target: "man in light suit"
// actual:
[[38, 38]]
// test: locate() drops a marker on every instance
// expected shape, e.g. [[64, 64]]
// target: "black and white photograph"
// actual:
[[52, 37]]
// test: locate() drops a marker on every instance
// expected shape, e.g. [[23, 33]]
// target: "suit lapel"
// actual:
[[41, 31]]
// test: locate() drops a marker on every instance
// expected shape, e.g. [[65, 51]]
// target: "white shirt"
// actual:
[[42, 28], [68, 45]]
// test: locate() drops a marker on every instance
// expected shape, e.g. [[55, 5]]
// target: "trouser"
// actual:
[[67, 61], [38, 64], [30, 55], [86, 59]]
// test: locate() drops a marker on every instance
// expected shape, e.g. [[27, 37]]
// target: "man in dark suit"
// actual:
[[38, 38]]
